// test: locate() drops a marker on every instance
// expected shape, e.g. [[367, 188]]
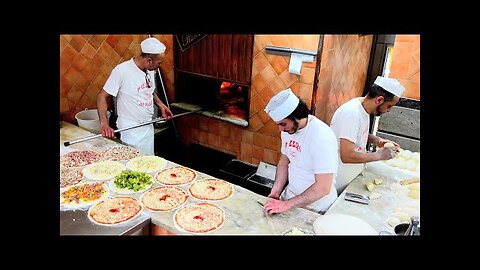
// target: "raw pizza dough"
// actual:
[[115, 211], [83, 195], [70, 176], [128, 181], [119, 153], [147, 164], [163, 199], [177, 175], [341, 224], [103, 170], [199, 218], [211, 189], [79, 158]]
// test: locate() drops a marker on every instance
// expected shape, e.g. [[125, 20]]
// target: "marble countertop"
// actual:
[[243, 215]]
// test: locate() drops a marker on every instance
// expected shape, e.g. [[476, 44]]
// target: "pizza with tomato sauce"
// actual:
[[115, 211], [79, 158], [211, 189], [163, 199], [199, 218], [177, 175]]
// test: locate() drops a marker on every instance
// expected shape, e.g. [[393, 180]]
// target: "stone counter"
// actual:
[[243, 215]]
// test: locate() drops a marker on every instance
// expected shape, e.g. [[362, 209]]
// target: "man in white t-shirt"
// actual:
[[133, 83], [351, 122], [309, 159]]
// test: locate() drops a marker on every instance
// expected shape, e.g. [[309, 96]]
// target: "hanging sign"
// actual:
[[188, 40]]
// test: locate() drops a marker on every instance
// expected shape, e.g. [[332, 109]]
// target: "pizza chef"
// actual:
[[309, 157]]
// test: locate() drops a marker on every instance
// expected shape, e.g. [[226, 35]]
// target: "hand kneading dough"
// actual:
[[341, 224], [378, 181], [374, 195], [388, 144], [370, 186]]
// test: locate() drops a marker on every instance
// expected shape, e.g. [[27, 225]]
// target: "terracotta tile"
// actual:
[[63, 105], [273, 143], [80, 62], [399, 70], [402, 52], [270, 129], [88, 51], [246, 150], [127, 55], [307, 75], [90, 71], [213, 140], [257, 152], [68, 38], [235, 147], [260, 61], [277, 85], [261, 41], [112, 40], [236, 134], [68, 55], [105, 51], [279, 64], [310, 65], [77, 42], [203, 124], [255, 123], [270, 156], [264, 117], [213, 126], [259, 139], [305, 91], [92, 91], [123, 44], [245, 158], [247, 136], [256, 104], [99, 81], [74, 96], [254, 71], [255, 161], [64, 66], [256, 50], [97, 40], [194, 134], [268, 75], [280, 40], [258, 82], [265, 94], [65, 86], [72, 74], [406, 38], [63, 44], [224, 129], [288, 78], [311, 42]]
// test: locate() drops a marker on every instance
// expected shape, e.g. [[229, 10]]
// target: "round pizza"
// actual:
[[199, 218], [164, 198], [83, 195], [70, 176], [115, 211], [79, 158], [128, 182], [211, 189], [103, 170], [119, 153], [177, 175], [148, 164]]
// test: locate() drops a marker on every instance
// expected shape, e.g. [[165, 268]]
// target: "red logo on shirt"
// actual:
[[293, 144]]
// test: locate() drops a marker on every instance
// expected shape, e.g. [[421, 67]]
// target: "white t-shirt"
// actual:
[[350, 121], [128, 83], [311, 150]]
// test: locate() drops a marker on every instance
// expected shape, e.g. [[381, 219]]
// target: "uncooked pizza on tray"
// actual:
[[177, 175]]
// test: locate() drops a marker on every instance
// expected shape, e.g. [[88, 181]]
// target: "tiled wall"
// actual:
[[343, 71], [406, 64], [87, 60], [260, 141]]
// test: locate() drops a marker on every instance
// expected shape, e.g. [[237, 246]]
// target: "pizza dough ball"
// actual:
[[374, 195], [393, 221], [415, 186], [370, 186], [402, 216], [388, 145], [378, 181], [414, 194], [410, 165]]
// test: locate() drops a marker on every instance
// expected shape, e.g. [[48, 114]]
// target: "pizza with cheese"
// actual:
[[83, 195], [147, 164], [177, 175], [70, 176], [79, 158], [211, 189], [114, 211], [119, 153], [128, 182], [199, 218], [164, 198], [103, 170]]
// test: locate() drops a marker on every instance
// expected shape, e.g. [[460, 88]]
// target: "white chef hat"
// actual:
[[391, 85], [282, 105], [153, 46]]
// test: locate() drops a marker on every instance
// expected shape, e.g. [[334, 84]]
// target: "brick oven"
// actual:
[[214, 73]]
